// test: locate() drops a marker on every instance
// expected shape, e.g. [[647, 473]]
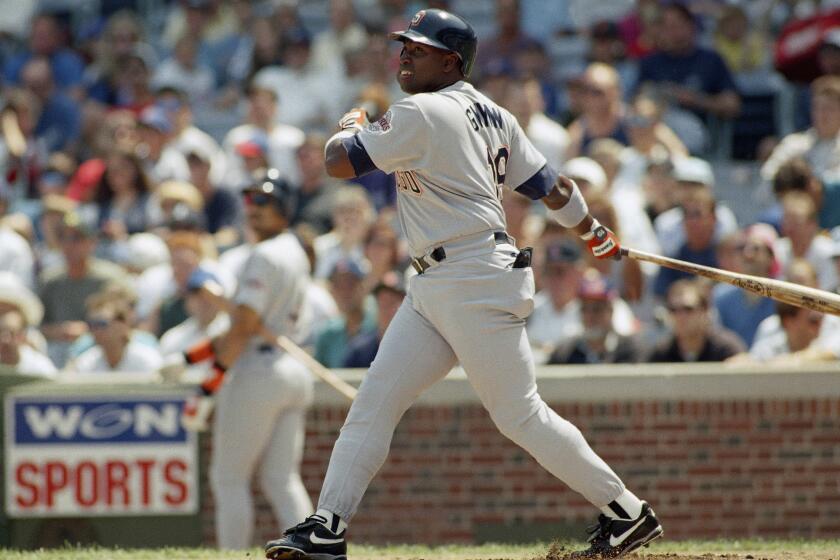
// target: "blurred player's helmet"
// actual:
[[283, 194], [443, 30]]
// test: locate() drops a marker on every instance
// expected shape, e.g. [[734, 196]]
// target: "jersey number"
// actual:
[[498, 167]]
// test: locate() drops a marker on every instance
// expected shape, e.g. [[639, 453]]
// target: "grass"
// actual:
[[764, 549]]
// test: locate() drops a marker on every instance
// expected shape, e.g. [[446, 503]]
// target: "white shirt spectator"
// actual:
[[823, 155], [771, 341], [198, 83], [32, 362], [283, 142], [328, 251], [171, 165], [550, 139], [819, 255], [671, 234], [137, 358], [16, 256], [305, 98], [157, 283], [194, 140]]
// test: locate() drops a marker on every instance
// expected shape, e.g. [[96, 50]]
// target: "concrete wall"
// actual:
[[719, 452]]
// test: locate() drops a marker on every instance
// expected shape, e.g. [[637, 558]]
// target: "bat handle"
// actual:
[[624, 252]]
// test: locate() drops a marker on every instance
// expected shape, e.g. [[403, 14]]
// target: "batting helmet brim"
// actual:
[[411, 35]]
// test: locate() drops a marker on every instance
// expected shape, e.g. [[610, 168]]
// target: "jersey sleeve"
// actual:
[[527, 170], [257, 282], [398, 141]]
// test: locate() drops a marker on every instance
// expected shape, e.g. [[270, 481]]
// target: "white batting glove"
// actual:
[[355, 119], [195, 416], [174, 366]]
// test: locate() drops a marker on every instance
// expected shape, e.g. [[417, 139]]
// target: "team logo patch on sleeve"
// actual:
[[382, 125]]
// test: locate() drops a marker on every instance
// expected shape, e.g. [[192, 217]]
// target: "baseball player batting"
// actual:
[[263, 396], [453, 150]]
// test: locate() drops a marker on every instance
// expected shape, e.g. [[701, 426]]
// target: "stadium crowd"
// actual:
[[130, 128]]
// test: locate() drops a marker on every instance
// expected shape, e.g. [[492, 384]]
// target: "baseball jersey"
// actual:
[[452, 151], [273, 283]]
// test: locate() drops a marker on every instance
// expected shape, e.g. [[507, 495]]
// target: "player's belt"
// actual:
[[438, 254]]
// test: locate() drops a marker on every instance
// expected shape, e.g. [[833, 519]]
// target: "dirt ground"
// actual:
[[558, 552]]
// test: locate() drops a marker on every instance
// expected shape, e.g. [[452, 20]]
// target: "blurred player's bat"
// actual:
[[316, 367], [787, 292]]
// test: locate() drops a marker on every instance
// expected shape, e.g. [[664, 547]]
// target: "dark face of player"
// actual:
[[424, 68]]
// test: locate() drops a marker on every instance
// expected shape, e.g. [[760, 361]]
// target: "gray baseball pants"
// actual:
[[259, 423], [469, 309]]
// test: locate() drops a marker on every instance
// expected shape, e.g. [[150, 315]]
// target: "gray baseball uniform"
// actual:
[[259, 420], [452, 151]]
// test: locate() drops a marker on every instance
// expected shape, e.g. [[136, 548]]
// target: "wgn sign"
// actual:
[[94, 455]]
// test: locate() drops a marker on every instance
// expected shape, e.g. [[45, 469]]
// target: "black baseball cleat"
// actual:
[[612, 538], [309, 540]]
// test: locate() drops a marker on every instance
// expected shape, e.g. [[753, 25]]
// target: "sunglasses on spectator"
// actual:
[[102, 323], [695, 214], [257, 198], [683, 308], [639, 121]]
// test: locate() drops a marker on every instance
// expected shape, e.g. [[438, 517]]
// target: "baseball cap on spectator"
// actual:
[[832, 38], [564, 250], [14, 292], [185, 218], [254, 146], [155, 118], [392, 281], [145, 250], [180, 191], [693, 170], [593, 286], [79, 222], [347, 266], [85, 179], [198, 150], [587, 169], [203, 278]]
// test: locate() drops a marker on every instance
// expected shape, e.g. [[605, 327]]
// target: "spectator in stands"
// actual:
[[389, 294], [344, 34], [304, 92], [690, 175], [598, 343], [123, 34], [133, 80], [533, 63], [353, 215], [693, 337], [700, 244], [207, 20], [172, 197], [346, 283], [161, 160], [121, 197], [820, 144], [797, 175], [787, 339], [283, 139], [17, 299], [22, 157], [694, 77], [185, 72], [803, 240], [188, 137], [65, 289], [603, 110], [48, 247], [742, 46], [318, 190], [525, 100], [108, 314], [382, 250], [15, 253], [223, 212], [207, 320], [639, 30], [46, 38], [522, 224], [509, 38], [607, 47], [60, 119], [15, 353], [739, 310]]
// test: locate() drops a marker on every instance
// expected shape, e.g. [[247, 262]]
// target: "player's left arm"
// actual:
[[245, 324], [533, 177]]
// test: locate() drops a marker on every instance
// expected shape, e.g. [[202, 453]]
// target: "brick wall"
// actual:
[[717, 457]]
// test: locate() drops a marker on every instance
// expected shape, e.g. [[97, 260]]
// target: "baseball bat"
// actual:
[[327, 376], [787, 292]]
